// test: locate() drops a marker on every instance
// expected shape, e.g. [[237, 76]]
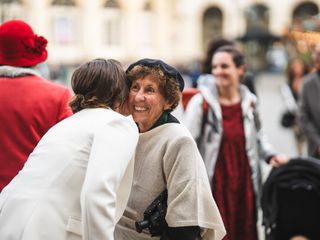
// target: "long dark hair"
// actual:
[[98, 83], [291, 76], [237, 55], [212, 48]]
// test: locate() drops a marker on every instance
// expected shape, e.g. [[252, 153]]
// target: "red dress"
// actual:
[[232, 185]]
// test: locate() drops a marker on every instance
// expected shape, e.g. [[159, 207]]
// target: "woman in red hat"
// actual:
[[30, 105]]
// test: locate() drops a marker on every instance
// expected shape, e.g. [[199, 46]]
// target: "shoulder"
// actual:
[[177, 137], [247, 95], [197, 99], [38, 83], [114, 116], [174, 130], [168, 133], [53, 85], [101, 117], [310, 79]]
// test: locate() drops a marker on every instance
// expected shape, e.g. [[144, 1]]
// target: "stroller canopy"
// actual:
[[291, 200]]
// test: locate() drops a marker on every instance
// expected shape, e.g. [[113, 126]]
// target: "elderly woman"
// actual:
[[166, 158], [76, 182], [231, 142]]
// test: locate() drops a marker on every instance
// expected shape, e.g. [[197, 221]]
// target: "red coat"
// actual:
[[29, 106]]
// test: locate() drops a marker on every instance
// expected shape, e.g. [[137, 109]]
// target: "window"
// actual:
[[212, 25], [64, 15], [257, 16], [305, 10], [112, 4], [64, 30], [112, 21], [11, 9], [63, 2], [302, 17], [112, 31], [147, 6], [10, 1], [147, 23]]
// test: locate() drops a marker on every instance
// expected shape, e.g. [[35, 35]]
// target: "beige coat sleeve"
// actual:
[[190, 201]]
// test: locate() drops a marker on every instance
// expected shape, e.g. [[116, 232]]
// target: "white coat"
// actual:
[[76, 182], [257, 145]]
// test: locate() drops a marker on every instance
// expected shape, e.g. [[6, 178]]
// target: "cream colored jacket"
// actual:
[[76, 182], [167, 158]]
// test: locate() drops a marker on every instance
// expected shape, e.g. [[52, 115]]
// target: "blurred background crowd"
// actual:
[[178, 31]]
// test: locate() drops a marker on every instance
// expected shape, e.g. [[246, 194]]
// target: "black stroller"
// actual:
[[291, 200]]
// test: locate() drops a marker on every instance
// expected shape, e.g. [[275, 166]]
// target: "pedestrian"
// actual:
[[30, 104], [166, 158], [297, 69], [76, 182], [309, 109], [231, 142]]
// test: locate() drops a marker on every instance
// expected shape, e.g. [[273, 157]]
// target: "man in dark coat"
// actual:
[[309, 107]]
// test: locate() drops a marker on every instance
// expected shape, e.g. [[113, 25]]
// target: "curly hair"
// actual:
[[169, 88], [99, 83]]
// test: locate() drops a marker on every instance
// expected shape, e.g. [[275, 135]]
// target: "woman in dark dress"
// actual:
[[232, 143]]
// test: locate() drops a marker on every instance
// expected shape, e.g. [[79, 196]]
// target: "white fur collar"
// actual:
[[9, 71]]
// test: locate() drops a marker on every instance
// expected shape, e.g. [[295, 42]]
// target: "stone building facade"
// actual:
[[175, 30]]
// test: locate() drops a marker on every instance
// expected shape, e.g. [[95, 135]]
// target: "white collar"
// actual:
[[10, 71]]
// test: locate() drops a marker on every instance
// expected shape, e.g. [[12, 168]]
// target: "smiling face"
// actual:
[[226, 73], [146, 102]]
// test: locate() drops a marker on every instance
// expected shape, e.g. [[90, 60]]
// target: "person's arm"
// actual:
[[288, 99], [182, 233], [112, 149], [190, 201], [193, 115]]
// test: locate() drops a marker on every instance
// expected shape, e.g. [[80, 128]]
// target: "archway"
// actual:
[[302, 13], [212, 23]]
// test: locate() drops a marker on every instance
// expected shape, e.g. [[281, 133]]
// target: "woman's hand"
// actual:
[[278, 160]]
